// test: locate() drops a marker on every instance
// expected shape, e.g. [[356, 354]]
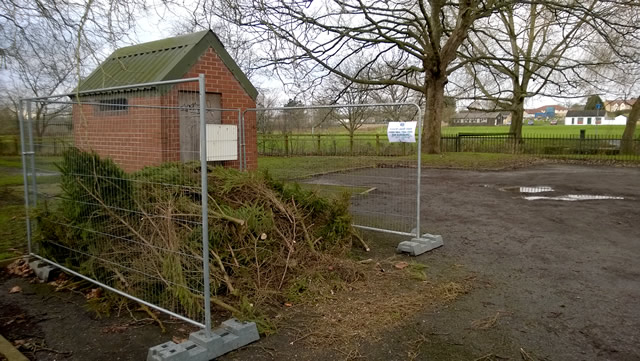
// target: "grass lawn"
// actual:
[[305, 166], [12, 214], [13, 241]]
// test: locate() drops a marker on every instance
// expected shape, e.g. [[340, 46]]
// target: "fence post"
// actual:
[[32, 155], [16, 145], [23, 154], [319, 149], [457, 142], [286, 145], [205, 205], [377, 144]]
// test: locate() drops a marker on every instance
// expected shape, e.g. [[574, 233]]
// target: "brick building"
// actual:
[[151, 125]]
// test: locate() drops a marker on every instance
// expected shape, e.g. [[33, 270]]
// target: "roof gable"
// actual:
[[159, 60]]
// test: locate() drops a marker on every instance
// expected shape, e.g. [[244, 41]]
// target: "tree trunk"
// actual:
[[351, 142], [433, 116], [517, 115], [626, 146]]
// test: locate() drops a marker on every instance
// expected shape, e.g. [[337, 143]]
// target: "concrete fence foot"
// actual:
[[231, 335], [418, 246]]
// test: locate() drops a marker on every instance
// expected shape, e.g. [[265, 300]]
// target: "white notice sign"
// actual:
[[401, 132]]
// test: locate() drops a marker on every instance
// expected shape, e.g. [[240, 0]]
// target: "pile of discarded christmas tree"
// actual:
[[142, 233]]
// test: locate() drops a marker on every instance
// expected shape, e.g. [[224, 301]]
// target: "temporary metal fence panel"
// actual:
[[344, 148], [122, 221]]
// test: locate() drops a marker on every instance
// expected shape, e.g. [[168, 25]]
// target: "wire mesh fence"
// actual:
[[333, 144], [116, 185], [317, 148], [600, 147]]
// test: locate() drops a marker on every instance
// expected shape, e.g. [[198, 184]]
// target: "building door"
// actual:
[[189, 103], [588, 120]]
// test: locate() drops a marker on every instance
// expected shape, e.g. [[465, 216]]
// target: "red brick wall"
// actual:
[[131, 137], [149, 136]]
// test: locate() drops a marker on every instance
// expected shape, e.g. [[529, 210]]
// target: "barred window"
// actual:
[[113, 105]]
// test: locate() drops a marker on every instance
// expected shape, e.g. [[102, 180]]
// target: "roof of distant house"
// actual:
[[620, 101], [475, 115], [159, 60], [586, 113]]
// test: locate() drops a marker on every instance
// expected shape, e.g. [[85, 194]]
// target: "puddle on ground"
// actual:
[[536, 189], [573, 197], [545, 189]]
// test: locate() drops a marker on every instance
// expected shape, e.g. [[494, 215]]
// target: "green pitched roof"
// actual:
[[165, 59]]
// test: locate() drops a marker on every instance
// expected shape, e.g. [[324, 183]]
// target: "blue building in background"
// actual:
[[549, 112]]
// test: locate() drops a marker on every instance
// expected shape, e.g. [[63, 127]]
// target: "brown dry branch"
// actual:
[[357, 236], [525, 356], [154, 317], [227, 279], [488, 322]]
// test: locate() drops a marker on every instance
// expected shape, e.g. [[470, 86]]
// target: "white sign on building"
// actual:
[[401, 132]]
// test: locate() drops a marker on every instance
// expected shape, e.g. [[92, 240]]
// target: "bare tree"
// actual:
[[48, 45], [416, 40], [88, 26], [38, 66], [266, 119], [526, 49], [397, 94], [627, 144], [339, 90], [239, 44], [616, 66]]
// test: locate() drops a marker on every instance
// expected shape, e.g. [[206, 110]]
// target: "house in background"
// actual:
[[506, 118], [620, 120], [592, 117], [151, 125], [546, 111], [477, 118], [619, 104], [528, 114]]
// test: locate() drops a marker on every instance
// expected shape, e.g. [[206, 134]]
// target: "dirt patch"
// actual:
[[48, 325], [364, 311]]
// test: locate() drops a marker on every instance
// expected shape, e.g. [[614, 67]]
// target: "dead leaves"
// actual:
[[20, 268], [115, 329], [95, 293], [15, 289], [177, 339]]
